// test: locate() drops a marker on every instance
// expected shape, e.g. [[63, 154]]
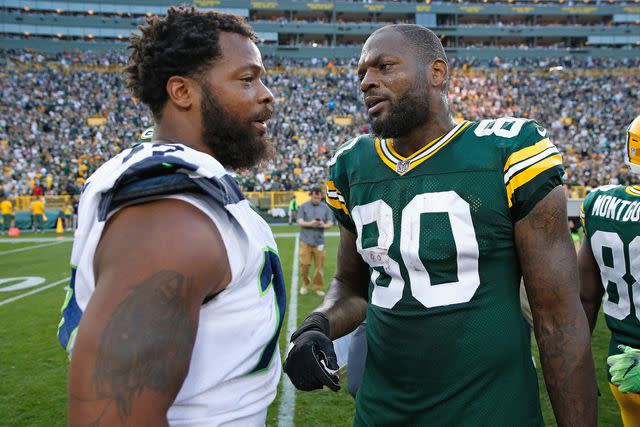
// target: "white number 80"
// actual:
[[464, 236]]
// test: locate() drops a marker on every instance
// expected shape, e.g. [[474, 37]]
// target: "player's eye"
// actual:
[[385, 66]]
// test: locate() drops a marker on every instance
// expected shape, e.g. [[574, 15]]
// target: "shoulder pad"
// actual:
[[156, 179]]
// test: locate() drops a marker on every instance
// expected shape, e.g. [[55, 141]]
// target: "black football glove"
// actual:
[[309, 350]]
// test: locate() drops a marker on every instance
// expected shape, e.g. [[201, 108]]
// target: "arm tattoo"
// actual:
[[147, 343]]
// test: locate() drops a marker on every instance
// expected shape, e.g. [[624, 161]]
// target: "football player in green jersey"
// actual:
[[439, 222], [609, 262]]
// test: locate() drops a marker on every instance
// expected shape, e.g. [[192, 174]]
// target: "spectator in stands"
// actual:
[[314, 216], [63, 115]]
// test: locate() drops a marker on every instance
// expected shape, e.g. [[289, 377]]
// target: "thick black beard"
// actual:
[[232, 141], [411, 111]]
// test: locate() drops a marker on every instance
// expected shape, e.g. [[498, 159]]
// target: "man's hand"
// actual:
[[311, 354], [625, 369]]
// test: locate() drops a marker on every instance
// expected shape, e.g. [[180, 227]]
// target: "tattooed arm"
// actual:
[[591, 289], [548, 260], [346, 302], [154, 265]]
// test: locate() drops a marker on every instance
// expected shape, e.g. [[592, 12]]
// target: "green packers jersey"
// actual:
[[447, 344], [611, 218]]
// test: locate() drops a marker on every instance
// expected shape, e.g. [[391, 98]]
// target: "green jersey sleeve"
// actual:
[[585, 208], [533, 167], [337, 191]]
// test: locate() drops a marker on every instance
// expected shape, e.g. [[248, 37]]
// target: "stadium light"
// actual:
[[90, 36], [90, 12], [59, 35]]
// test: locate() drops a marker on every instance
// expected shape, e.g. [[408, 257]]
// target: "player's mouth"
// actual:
[[260, 125], [375, 104], [260, 122]]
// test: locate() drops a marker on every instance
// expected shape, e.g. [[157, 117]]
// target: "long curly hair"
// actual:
[[182, 43]]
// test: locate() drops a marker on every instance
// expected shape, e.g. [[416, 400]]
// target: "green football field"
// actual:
[[34, 366]]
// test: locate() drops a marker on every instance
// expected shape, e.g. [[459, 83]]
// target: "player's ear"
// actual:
[[181, 91], [439, 73]]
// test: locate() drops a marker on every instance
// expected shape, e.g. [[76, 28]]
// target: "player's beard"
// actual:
[[411, 111], [234, 142]]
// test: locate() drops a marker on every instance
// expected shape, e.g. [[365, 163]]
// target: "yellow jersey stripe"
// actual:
[[633, 190], [531, 172], [383, 157], [527, 152], [520, 166], [337, 204], [334, 198], [418, 161], [389, 144], [391, 158]]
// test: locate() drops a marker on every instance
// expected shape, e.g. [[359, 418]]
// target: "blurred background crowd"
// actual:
[[63, 115]]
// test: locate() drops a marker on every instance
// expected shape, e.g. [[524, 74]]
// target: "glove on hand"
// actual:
[[311, 360], [625, 369]]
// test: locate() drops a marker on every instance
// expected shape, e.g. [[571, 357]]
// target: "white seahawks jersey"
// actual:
[[235, 365]]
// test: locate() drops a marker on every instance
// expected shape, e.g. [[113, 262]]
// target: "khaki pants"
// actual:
[[306, 253]]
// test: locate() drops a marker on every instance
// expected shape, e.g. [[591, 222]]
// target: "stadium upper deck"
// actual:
[[322, 28]]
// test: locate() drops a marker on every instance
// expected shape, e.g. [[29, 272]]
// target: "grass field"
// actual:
[[33, 391]]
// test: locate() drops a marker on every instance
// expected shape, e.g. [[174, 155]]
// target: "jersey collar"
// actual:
[[401, 165]]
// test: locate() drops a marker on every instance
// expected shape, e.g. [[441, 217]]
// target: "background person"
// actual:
[[37, 215], [609, 262], [293, 210], [6, 209], [314, 216]]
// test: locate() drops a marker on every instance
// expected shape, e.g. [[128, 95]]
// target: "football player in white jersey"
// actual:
[[176, 299]]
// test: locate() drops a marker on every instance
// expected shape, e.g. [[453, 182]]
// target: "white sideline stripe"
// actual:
[[33, 239], [34, 291], [288, 392], [328, 233], [28, 248]]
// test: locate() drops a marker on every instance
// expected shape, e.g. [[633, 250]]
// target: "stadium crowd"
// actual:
[[48, 146]]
